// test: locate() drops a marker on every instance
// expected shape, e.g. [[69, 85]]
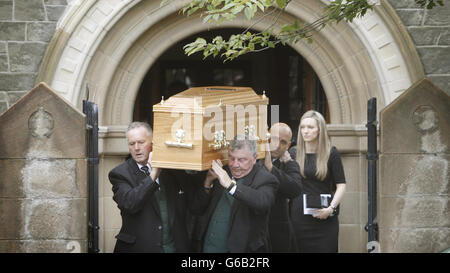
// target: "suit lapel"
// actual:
[[248, 179], [154, 202], [277, 163], [139, 175]]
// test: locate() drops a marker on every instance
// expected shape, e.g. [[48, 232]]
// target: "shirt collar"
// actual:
[[140, 166], [149, 169]]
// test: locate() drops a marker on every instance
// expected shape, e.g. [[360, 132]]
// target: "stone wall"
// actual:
[[414, 172], [26, 28], [43, 175], [430, 32]]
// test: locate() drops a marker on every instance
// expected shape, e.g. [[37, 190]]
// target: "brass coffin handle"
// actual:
[[179, 143], [220, 140]]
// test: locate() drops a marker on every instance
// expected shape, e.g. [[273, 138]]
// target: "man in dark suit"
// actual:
[[152, 203], [235, 203], [279, 162]]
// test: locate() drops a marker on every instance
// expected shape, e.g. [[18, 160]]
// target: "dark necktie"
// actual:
[[145, 170]]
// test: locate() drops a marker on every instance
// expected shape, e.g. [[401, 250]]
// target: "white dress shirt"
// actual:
[[149, 170]]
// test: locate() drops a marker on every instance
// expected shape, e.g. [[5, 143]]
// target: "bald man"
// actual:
[[279, 162]]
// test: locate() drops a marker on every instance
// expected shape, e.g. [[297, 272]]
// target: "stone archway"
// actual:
[[112, 44]]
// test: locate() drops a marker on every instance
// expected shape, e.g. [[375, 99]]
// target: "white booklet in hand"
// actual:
[[313, 211]]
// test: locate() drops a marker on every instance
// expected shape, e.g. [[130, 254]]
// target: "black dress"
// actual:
[[314, 235]]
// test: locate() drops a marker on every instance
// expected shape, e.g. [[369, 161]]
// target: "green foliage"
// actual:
[[429, 3], [217, 11], [339, 10], [221, 10], [236, 45]]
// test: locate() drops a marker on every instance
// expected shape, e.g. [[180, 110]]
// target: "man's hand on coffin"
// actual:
[[221, 174], [210, 177], [268, 158], [154, 174]]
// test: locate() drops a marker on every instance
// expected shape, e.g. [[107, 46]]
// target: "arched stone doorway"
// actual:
[[112, 44], [284, 75]]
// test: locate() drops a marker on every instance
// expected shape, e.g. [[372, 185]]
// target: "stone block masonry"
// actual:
[[430, 32], [26, 28], [414, 177], [43, 175]]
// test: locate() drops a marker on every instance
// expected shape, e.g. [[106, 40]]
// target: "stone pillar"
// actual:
[[43, 181], [414, 175]]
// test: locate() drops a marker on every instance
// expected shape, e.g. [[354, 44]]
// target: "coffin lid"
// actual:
[[196, 99]]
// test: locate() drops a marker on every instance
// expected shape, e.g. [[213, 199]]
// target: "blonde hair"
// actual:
[[323, 147]]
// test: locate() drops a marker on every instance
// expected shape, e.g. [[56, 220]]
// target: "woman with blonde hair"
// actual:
[[314, 213]]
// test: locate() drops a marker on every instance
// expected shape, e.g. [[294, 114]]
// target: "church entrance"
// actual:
[[130, 53], [286, 77]]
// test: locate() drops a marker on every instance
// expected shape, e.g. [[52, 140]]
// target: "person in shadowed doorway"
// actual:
[[314, 213], [279, 162], [153, 203], [235, 203]]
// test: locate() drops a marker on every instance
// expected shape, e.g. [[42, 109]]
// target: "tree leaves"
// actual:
[[218, 11], [235, 46], [339, 10], [281, 4], [429, 3]]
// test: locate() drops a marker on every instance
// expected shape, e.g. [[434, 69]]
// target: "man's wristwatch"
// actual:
[[233, 183], [333, 208]]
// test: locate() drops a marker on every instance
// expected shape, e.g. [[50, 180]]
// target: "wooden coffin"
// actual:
[[194, 127]]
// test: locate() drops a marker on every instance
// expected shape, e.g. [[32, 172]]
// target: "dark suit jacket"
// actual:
[[280, 229], [141, 221], [254, 197]]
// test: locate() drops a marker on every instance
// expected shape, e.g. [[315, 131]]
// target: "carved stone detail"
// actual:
[[426, 119], [41, 123]]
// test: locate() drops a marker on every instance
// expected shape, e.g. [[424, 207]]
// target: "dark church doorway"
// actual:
[[287, 78]]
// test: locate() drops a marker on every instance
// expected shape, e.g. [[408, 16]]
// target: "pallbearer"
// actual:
[[283, 166], [235, 203], [153, 203]]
